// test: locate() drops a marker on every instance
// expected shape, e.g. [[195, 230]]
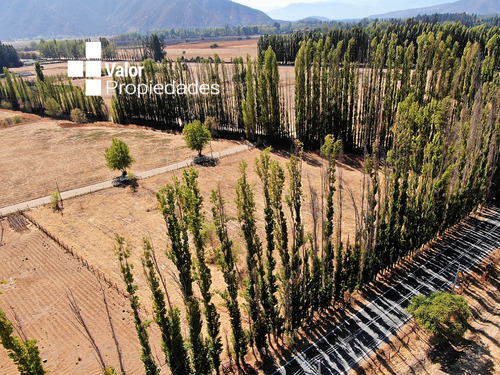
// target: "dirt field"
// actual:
[[32, 155], [409, 351], [226, 49], [89, 223], [38, 274]]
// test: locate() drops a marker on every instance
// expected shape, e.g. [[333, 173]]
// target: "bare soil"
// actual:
[[226, 49], [34, 154], [88, 224], [38, 274]]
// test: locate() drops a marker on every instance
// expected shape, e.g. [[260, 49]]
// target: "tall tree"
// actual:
[[122, 250], [330, 151], [262, 168], [226, 262], [257, 292], [171, 204], [167, 317], [195, 218]]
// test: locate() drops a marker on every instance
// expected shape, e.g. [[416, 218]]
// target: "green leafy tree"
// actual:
[[52, 108], [154, 48], [167, 317], [24, 353], [330, 151], [197, 136], [172, 202], [195, 219], [227, 264], [118, 155], [443, 315], [39, 72], [297, 280], [257, 291], [122, 250], [249, 104], [78, 116], [262, 167]]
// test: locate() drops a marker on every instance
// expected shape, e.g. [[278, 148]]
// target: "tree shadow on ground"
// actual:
[[205, 161], [132, 183], [468, 357]]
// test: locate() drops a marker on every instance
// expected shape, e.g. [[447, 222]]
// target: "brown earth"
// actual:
[[38, 274], [32, 155], [226, 49], [88, 224]]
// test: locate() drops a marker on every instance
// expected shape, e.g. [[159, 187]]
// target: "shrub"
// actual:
[[5, 105], [215, 45], [78, 116], [54, 200], [196, 136], [118, 155], [17, 120], [52, 108], [442, 315]]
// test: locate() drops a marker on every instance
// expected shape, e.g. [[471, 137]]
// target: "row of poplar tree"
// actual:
[[439, 168], [54, 96], [348, 82]]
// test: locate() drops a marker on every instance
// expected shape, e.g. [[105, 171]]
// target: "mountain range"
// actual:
[[480, 7], [22, 19], [33, 19], [334, 10]]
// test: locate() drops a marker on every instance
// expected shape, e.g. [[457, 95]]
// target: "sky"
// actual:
[[388, 5]]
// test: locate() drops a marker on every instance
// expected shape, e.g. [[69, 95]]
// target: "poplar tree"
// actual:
[[257, 291], [329, 151], [122, 250], [195, 218], [227, 264], [167, 317], [262, 168], [249, 105], [24, 353], [171, 205], [294, 202]]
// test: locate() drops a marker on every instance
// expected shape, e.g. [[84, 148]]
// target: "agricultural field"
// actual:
[[38, 276], [379, 151], [35, 153], [226, 49], [89, 223]]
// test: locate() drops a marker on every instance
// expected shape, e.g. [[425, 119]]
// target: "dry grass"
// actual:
[[89, 223], [38, 275], [33, 154], [226, 49]]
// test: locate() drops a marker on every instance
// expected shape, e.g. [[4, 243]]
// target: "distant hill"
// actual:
[[325, 9], [21, 19], [480, 7]]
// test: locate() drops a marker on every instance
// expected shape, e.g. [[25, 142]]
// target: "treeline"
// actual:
[[437, 171], [52, 96], [334, 94], [349, 88], [407, 32], [226, 105], [74, 49], [183, 34], [8, 57]]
